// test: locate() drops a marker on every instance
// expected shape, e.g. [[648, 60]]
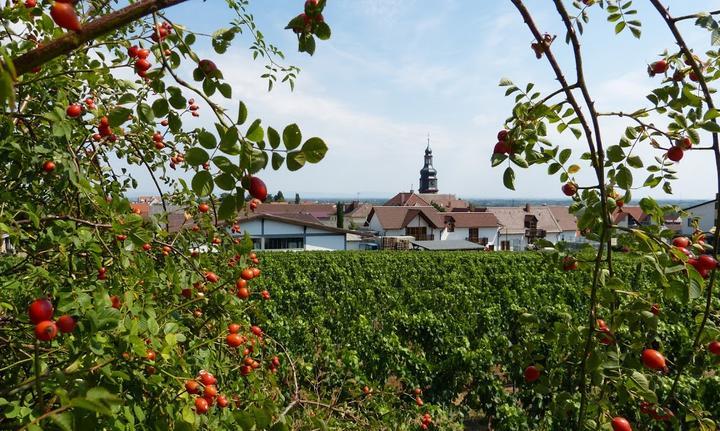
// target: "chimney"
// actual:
[[527, 207]]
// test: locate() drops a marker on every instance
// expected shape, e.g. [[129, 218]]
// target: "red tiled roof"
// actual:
[[472, 219], [397, 217], [567, 221], [317, 210], [512, 219], [634, 212], [447, 201], [407, 200], [290, 219]]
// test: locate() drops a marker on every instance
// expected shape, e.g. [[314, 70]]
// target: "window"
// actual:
[[284, 243], [451, 227], [505, 245], [256, 243], [483, 241], [473, 234], [419, 233]]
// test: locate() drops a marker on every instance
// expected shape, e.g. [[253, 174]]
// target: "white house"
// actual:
[[295, 232], [422, 223], [521, 226], [428, 224], [703, 214], [325, 213]]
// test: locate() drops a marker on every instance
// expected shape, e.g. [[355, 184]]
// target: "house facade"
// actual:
[[272, 232], [703, 215], [522, 226], [429, 224]]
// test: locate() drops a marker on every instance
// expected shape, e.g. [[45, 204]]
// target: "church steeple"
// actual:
[[428, 174]]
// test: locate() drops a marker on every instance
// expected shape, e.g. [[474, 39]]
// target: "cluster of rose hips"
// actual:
[[75, 110], [193, 108], [677, 151], [206, 384], [176, 159], [104, 131], [311, 16], [246, 275], [234, 340], [418, 401], [158, 139], [605, 336], [655, 412], [41, 313], [161, 31], [63, 13], [662, 66], [142, 65], [504, 145], [704, 264], [102, 273], [426, 421], [569, 263]]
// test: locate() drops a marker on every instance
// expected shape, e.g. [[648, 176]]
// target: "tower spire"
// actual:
[[428, 174]]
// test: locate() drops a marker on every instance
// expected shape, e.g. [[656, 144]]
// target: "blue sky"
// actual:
[[396, 70]]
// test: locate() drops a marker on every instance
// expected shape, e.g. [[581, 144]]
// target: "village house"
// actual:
[[295, 232], [522, 226], [702, 215]]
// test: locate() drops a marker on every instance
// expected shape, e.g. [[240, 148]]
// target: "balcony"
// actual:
[[535, 233]]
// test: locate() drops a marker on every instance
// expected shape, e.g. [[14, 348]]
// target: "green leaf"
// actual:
[[314, 149], [624, 177], [209, 87], [226, 90], [202, 183], [273, 137], [229, 143], [177, 100], [564, 155], [292, 137], [242, 113], [196, 156], [225, 181], [322, 31], [160, 108], [225, 165], [635, 162], [255, 132], [118, 116], [615, 153], [227, 207], [207, 139], [509, 178], [295, 160], [277, 161], [145, 113]]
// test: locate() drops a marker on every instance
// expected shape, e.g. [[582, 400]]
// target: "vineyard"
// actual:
[[463, 326]]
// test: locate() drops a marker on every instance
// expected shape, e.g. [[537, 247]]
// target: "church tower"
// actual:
[[428, 174]]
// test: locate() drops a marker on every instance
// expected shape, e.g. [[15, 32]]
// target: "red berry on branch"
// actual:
[[40, 310], [46, 330], [66, 324], [64, 16], [653, 359]]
